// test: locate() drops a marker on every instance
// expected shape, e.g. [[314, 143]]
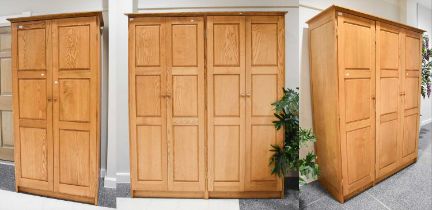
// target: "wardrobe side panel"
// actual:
[[324, 88]]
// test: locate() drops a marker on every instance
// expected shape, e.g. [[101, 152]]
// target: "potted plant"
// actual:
[[426, 68], [286, 157]]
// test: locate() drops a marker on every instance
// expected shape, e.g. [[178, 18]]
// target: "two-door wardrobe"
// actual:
[[201, 87], [365, 81], [56, 83]]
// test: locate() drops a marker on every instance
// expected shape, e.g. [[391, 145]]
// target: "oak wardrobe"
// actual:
[[56, 77], [365, 82], [200, 92]]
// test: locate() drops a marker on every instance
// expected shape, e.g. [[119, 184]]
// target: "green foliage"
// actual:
[[286, 157], [426, 68]]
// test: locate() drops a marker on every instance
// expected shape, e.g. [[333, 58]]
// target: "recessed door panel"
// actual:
[[185, 44], [148, 95], [74, 47], [263, 136], [409, 144], [147, 45], [388, 145], [264, 41], [411, 92], [151, 151], [226, 42], [74, 157], [186, 153], [227, 95], [265, 92], [30, 93], [185, 96], [74, 100], [412, 49], [359, 147], [227, 154], [34, 153], [357, 99], [31, 49]]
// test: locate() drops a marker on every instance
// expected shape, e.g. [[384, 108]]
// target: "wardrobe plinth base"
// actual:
[[391, 173], [57, 195], [161, 194]]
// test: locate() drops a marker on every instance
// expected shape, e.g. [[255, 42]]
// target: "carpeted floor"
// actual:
[[107, 196], [410, 188]]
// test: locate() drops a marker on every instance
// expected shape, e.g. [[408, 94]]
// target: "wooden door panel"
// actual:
[[358, 99], [31, 49], [148, 95], [34, 153], [388, 145], [389, 104], [76, 105], [358, 153], [148, 45], [264, 83], [150, 159], [185, 102], [411, 91], [6, 139], [356, 46], [32, 116], [148, 106], [265, 92], [226, 102], [74, 157], [410, 135], [74, 47], [227, 146], [31, 91], [185, 46], [412, 49], [185, 95], [186, 154], [74, 100], [226, 41]]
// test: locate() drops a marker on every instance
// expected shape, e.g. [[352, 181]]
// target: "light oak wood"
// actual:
[[193, 82], [365, 94], [6, 139], [56, 66]]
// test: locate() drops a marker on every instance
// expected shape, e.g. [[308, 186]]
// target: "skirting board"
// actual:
[[425, 122], [123, 177]]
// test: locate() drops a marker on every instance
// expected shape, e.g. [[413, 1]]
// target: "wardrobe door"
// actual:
[[411, 92], [226, 102], [147, 104], [76, 105], [185, 99], [389, 43], [33, 106], [356, 61], [264, 84]]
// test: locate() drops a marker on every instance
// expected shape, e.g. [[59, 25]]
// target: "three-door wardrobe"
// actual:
[[56, 83], [201, 87], [365, 81]]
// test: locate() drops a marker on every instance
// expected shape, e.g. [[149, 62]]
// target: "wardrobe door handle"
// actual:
[[248, 95], [242, 95], [49, 99]]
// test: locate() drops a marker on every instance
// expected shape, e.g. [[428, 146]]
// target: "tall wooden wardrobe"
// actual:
[[365, 80], [56, 80], [200, 92]]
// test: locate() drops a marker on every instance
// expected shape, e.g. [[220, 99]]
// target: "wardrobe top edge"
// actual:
[[59, 16], [334, 9], [188, 14]]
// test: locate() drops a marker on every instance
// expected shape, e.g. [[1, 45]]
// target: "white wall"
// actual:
[[424, 21], [119, 110], [14, 8]]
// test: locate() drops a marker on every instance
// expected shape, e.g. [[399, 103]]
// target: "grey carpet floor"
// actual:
[[410, 188], [107, 196]]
